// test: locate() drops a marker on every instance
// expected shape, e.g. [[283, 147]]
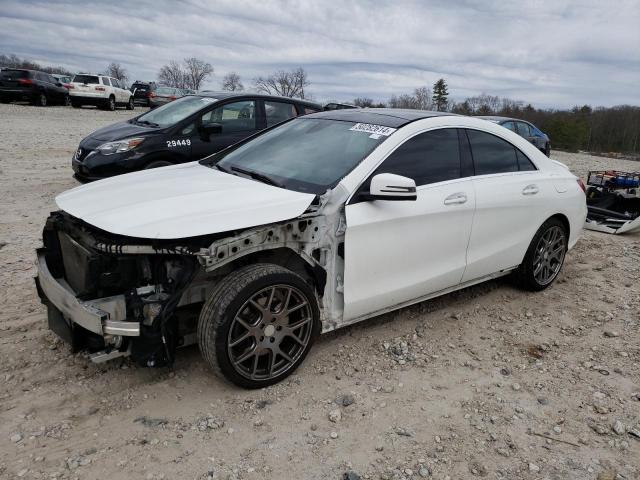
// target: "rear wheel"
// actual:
[[131, 105], [41, 100], [544, 258], [258, 325], [111, 104], [67, 101]]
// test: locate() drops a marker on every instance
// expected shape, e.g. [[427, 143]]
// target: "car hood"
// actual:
[[118, 131], [180, 201]]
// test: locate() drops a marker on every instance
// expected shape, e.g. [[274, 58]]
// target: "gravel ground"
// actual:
[[488, 382]]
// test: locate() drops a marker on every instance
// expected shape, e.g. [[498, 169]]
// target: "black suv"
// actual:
[[187, 129], [39, 88], [142, 91]]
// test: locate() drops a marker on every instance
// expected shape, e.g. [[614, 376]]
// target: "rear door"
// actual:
[[238, 119], [399, 251], [510, 205]]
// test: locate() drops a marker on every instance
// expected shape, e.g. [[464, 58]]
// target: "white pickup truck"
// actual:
[[101, 91]]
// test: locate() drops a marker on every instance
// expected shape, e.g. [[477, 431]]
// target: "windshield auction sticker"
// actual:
[[377, 130]]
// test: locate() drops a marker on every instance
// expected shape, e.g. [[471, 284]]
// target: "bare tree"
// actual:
[[232, 83], [423, 98], [116, 70], [196, 72], [363, 102], [287, 84], [172, 75]]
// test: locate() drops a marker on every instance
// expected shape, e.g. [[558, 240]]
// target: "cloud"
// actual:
[[551, 53]]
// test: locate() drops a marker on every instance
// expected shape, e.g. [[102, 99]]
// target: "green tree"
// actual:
[[440, 95]]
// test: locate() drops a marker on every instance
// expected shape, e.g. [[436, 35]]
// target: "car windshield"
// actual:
[[173, 112], [306, 154]]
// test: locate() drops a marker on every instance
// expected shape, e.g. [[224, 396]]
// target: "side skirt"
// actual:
[[328, 327]]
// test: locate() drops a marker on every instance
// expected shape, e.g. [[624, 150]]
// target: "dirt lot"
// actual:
[[489, 382]]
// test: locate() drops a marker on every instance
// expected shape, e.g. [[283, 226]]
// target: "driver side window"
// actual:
[[234, 117]]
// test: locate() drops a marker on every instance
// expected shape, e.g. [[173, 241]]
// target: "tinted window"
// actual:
[[523, 129], [491, 154], [88, 79], [234, 117], [427, 158], [43, 77], [13, 74], [105, 81], [523, 162], [277, 112], [510, 125]]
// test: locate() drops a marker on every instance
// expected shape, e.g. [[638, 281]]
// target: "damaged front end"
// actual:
[[113, 303], [613, 201]]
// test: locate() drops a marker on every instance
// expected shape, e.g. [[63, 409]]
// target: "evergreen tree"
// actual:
[[440, 95]]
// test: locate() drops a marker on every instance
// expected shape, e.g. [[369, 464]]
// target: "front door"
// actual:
[[399, 251], [237, 119]]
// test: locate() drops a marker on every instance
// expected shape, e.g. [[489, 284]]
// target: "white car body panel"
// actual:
[[504, 223], [406, 248], [180, 201]]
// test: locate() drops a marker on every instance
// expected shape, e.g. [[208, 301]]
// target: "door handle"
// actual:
[[530, 190], [456, 198]]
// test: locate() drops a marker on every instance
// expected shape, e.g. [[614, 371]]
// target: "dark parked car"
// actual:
[[163, 95], [142, 91], [190, 128], [39, 88], [65, 80], [338, 106], [526, 130]]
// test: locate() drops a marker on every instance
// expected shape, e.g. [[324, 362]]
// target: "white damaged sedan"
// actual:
[[317, 223]]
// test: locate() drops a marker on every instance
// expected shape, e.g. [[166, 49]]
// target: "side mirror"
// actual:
[[388, 186], [209, 129]]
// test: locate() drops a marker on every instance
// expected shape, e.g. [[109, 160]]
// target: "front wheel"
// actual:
[[544, 258], [258, 325]]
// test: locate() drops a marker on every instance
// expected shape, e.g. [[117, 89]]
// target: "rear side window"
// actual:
[[524, 163], [492, 154], [277, 112], [88, 79], [510, 125], [429, 157], [523, 129]]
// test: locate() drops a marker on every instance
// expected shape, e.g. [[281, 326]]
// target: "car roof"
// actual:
[[225, 95], [498, 118], [387, 117]]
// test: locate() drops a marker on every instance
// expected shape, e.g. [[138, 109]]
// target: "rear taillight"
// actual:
[[100, 89], [582, 185], [25, 81], [69, 86]]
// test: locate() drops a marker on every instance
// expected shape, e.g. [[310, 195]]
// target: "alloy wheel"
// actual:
[[549, 255], [270, 332]]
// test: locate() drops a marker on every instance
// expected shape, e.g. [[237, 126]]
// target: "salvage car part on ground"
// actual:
[[613, 201], [318, 223]]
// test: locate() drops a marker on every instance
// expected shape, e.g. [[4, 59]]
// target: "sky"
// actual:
[[551, 53]]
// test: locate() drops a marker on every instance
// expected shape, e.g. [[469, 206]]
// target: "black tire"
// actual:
[[131, 105], [4, 100], [76, 104], [547, 150], [232, 297], [158, 164], [530, 274], [41, 100], [111, 104], [66, 101]]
